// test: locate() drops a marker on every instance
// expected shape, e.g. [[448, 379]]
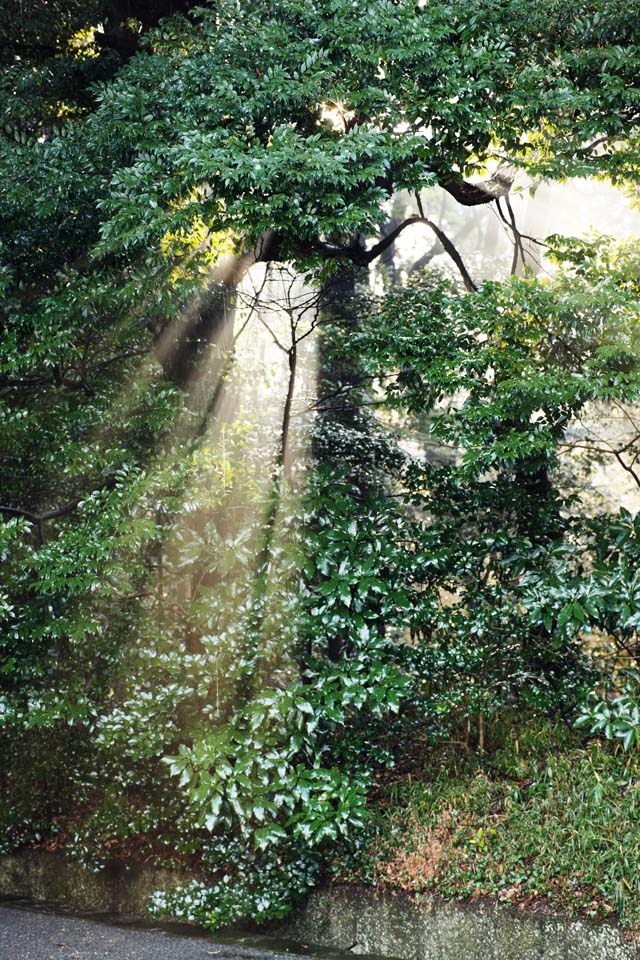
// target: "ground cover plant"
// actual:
[[541, 820]]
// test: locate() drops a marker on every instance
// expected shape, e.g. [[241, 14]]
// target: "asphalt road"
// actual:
[[35, 935]]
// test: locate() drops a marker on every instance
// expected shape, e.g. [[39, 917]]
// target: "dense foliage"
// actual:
[[217, 632], [542, 820]]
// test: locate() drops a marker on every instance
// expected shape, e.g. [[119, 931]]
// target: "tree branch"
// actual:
[[473, 194], [55, 512], [367, 256]]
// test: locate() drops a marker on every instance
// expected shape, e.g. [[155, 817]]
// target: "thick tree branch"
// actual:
[[40, 517], [67, 379], [369, 255], [474, 194], [55, 512], [361, 257]]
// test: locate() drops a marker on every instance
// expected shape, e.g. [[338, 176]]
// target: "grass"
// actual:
[[541, 819]]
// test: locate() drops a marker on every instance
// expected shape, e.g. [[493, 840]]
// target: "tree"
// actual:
[[150, 161]]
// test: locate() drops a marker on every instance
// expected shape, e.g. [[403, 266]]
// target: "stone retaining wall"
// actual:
[[353, 920], [49, 877], [400, 926]]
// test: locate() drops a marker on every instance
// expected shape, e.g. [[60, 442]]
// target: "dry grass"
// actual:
[[419, 859]]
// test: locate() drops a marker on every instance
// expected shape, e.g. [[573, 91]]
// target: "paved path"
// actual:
[[35, 935]]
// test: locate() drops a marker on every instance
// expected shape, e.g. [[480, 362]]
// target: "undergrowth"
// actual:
[[542, 819]]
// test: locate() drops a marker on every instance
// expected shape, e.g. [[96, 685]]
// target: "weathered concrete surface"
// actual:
[[30, 935], [399, 926], [341, 918], [51, 878]]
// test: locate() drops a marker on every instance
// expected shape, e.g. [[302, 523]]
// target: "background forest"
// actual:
[[320, 546]]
